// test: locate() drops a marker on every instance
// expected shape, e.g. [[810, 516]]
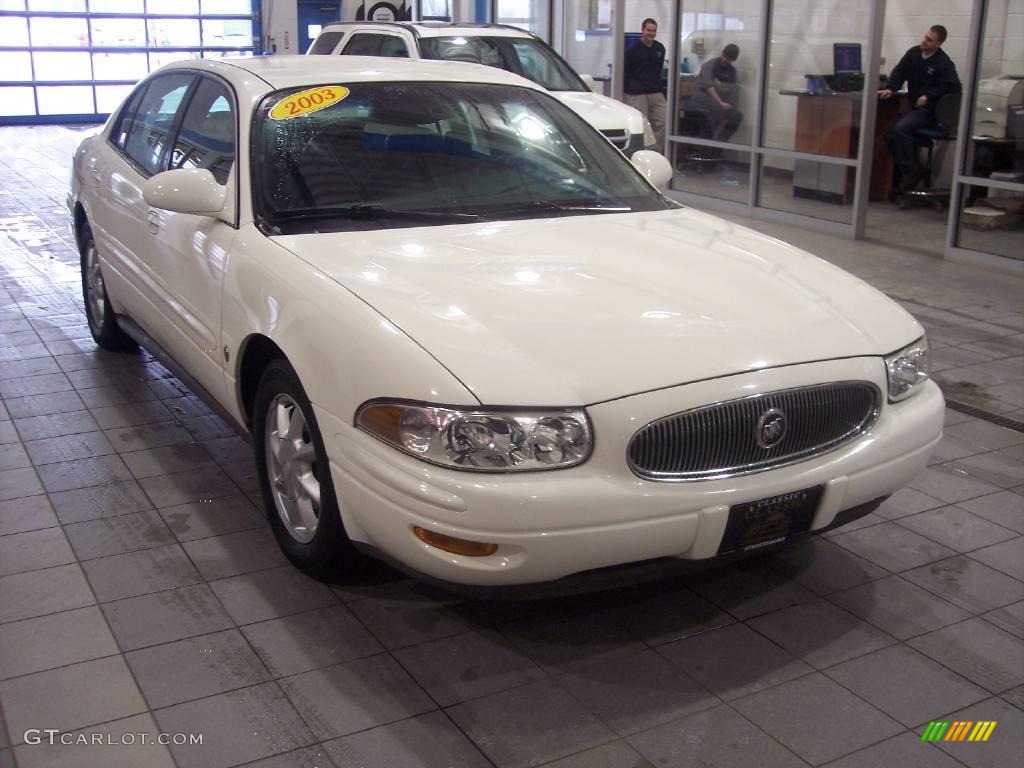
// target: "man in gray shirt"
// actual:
[[718, 94]]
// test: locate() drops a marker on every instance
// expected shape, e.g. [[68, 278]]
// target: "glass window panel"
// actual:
[[151, 124], [229, 33], [207, 135], [586, 52], [227, 6], [13, 31], [61, 65], [65, 100], [50, 31], [708, 81], [808, 187], [118, 32], [116, 6], [711, 172], [813, 93], [72, 6], [992, 221], [437, 10], [17, 101], [109, 97], [225, 54], [15, 65], [175, 7], [173, 33], [119, 66], [996, 119], [531, 15], [12, 5], [157, 59]]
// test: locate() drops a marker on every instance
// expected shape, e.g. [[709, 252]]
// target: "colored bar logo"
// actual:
[[959, 730]]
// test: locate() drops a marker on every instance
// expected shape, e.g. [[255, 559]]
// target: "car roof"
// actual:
[[438, 28], [279, 71]]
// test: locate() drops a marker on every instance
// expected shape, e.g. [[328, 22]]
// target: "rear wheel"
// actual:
[[102, 321], [295, 478]]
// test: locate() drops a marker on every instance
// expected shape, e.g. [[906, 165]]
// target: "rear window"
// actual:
[[326, 42]]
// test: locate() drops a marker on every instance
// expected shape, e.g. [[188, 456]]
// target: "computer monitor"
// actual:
[[846, 58]]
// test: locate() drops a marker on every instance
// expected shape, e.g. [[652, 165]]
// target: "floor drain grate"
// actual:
[[992, 418]]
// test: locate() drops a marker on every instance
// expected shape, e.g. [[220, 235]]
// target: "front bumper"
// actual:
[[549, 525]]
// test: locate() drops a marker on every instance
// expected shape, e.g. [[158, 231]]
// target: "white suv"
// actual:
[[494, 45]]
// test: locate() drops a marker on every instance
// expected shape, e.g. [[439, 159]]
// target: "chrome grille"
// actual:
[[721, 440], [620, 138]]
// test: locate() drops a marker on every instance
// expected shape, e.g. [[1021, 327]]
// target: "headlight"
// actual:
[[481, 440], [649, 138], [907, 370]]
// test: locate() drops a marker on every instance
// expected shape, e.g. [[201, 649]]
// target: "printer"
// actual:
[[999, 110]]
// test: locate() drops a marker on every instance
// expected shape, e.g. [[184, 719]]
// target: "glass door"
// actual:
[[531, 15], [67, 60]]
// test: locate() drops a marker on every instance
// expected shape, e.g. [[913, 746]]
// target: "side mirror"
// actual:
[[655, 168], [186, 190], [588, 80]]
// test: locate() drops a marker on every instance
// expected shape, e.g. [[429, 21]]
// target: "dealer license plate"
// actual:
[[758, 524]]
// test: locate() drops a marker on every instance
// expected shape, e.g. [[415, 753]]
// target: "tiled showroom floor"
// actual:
[[141, 590]]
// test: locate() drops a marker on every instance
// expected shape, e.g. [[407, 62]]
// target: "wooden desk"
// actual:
[[829, 124]]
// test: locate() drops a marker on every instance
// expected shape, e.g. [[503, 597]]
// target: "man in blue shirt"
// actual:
[[929, 74], [642, 79]]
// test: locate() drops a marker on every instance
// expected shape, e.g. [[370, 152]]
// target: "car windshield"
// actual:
[[385, 155], [523, 55]]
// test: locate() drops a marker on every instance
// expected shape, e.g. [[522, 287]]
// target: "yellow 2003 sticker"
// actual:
[[305, 102]]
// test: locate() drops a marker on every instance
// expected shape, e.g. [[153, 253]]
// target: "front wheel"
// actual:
[[295, 478], [102, 321]]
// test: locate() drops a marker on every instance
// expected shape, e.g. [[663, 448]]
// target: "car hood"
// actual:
[[601, 112], [578, 310]]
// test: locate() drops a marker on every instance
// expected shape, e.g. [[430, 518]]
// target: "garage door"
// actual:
[[75, 60]]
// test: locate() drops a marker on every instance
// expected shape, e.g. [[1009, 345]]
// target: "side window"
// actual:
[[394, 47], [206, 138], [326, 42], [363, 45], [152, 122], [119, 136]]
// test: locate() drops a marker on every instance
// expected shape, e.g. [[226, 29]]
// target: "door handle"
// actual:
[[154, 222]]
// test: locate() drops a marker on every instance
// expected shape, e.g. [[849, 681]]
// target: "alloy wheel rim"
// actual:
[[95, 290], [291, 466]]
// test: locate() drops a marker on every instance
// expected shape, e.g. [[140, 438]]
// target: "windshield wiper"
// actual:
[[370, 211], [566, 207]]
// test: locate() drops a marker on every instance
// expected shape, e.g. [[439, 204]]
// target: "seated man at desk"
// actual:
[[929, 75], [718, 93]]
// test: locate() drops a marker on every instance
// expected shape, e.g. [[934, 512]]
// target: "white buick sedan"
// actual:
[[466, 335]]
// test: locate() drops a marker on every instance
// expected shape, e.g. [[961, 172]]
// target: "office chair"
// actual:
[[934, 140], [697, 122]]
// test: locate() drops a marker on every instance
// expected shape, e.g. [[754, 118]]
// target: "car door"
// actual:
[[188, 253], [136, 149]]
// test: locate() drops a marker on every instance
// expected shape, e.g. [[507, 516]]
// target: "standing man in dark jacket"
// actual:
[[642, 79], [929, 74]]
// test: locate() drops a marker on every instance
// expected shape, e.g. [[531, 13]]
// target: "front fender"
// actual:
[[343, 350]]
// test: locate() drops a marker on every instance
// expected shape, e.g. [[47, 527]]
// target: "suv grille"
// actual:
[[732, 438]]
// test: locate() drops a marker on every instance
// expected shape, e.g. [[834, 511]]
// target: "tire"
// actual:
[[102, 322], [307, 525]]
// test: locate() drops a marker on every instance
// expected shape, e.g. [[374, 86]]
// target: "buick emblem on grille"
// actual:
[[771, 428]]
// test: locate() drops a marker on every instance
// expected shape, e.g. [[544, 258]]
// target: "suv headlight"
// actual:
[[481, 439], [907, 370], [649, 138]]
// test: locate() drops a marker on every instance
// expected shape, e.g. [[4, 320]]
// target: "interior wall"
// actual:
[[281, 25]]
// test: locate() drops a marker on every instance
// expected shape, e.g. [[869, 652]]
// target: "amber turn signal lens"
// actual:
[[454, 545]]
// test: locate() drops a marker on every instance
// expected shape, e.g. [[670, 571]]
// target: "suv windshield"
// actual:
[[389, 155], [523, 55]]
